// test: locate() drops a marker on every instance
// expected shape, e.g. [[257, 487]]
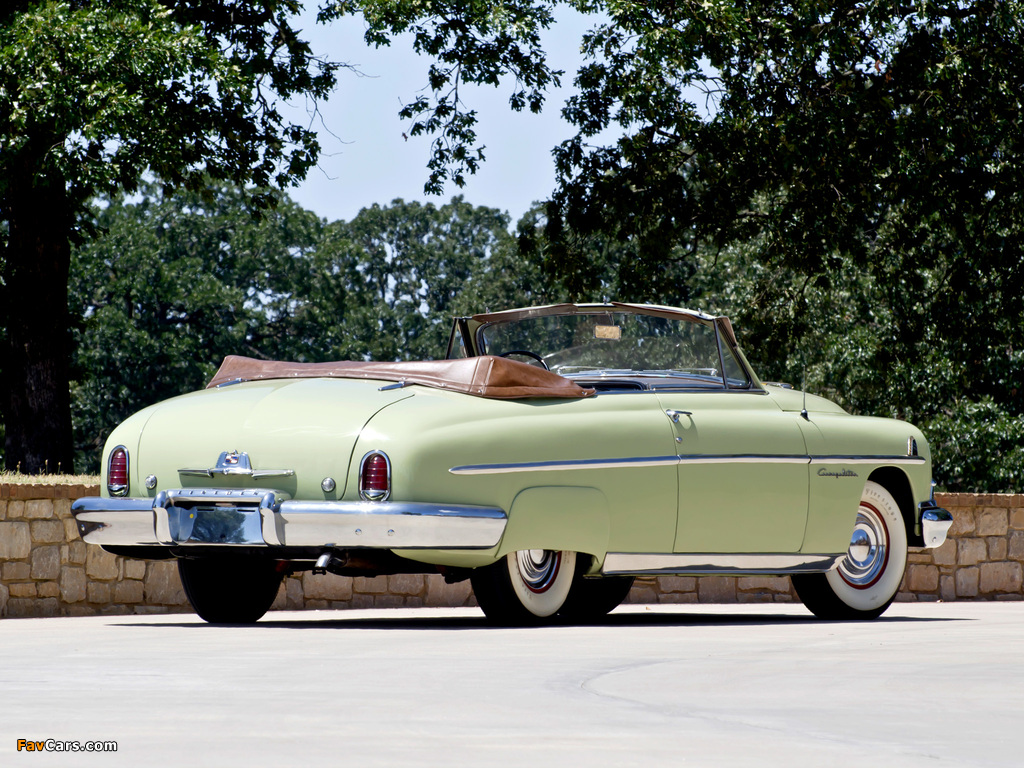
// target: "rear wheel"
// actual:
[[534, 585], [590, 599], [525, 587], [230, 589], [867, 579]]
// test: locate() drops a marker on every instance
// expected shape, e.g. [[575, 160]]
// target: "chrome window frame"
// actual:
[[470, 328]]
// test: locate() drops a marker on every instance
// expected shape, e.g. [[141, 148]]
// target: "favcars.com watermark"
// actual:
[[56, 745]]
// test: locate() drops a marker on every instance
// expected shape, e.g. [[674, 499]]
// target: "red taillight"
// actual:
[[375, 477], [117, 472]]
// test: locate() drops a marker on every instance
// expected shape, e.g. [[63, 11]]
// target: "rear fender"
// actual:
[[558, 517]]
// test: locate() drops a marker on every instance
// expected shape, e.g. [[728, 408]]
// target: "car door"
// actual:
[[743, 472]]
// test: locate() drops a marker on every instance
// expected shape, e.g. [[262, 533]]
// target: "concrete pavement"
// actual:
[[938, 684]]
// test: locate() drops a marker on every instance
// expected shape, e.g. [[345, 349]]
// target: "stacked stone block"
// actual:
[[47, 570]]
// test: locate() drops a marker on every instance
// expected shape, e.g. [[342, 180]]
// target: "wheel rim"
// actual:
[[538, 568], [868, 554]]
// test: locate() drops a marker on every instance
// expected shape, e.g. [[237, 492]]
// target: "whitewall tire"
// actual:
[[525, 587], [868, 578]]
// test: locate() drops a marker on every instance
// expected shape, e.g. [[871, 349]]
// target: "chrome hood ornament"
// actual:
[[235, 464]]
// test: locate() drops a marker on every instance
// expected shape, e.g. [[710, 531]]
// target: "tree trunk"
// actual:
[[36, 368]]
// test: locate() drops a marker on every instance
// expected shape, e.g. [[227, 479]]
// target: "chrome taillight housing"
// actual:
[[117, 472], [375, 476]]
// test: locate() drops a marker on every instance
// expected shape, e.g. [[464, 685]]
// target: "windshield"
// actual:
[[615, 343]]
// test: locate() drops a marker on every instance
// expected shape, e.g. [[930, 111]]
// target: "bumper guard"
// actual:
[[935, 523]]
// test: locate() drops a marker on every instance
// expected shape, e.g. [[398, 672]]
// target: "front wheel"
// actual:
[[525, 587], [867, 579], [230, 589]]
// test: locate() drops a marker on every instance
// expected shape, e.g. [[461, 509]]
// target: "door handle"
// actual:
[[674, 414]]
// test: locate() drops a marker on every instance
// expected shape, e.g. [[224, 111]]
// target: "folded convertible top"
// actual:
[[488, 376]]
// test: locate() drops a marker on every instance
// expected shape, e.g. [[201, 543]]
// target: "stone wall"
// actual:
[[983, 557], [47, 570]]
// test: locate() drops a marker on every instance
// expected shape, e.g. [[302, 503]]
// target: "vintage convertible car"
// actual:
[[556, 453]]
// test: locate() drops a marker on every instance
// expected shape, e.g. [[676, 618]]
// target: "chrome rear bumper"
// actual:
[[935, 523], [255, 517]]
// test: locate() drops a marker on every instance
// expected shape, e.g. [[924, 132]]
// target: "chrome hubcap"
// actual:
[[538, 568], [868, 555]]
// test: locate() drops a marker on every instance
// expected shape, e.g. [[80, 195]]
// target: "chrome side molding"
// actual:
[[679, 460], [563, 466], [721, 564]]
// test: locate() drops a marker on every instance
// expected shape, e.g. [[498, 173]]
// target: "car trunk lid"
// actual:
[[294, 433]]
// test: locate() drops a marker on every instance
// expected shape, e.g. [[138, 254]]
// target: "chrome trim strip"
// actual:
[[694, 391], [255, 474], [868, 459], [253, 495], [658, 461], [717, 563], [560, 466], [258, 517], [231, 464], [935, 524], [746, 458]]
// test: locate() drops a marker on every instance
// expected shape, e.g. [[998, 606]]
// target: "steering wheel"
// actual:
[[527, 353]]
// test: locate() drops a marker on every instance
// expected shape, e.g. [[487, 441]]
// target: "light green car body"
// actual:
[[760, 480]]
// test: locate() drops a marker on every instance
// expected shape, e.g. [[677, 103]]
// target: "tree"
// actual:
[[408, 266], [849, 144], [94, 96], [469, 43], [871, 156], [866, 146], [176, 281], [385, 285]]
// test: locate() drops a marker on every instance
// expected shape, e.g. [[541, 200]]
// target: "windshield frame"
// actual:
[[467, 337]]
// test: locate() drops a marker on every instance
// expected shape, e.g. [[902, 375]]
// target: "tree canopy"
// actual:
[[843, 178], [177, 281], [859, 159], [95, 95]]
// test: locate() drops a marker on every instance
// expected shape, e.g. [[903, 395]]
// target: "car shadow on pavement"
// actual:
[[432, 621]]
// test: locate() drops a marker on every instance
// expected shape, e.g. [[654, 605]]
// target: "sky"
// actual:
[[365, 158]]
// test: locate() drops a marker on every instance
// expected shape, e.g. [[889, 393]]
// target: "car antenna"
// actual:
[[803, 389]]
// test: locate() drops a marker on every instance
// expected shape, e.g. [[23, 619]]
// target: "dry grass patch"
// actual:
[[17, 478]]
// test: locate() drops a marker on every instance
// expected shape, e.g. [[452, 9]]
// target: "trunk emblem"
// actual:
[[233, 463]]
